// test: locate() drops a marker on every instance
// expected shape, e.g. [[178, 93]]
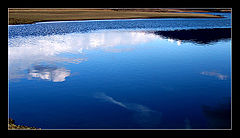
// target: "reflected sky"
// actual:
[[215, 74], [23, 52], [142, 115], [119, 78], [49, 73], [218, 115]]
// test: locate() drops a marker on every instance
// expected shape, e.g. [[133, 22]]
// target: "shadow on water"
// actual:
[[219, 115], [198, 36]]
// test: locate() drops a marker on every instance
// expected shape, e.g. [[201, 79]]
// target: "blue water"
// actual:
[[121, 74]]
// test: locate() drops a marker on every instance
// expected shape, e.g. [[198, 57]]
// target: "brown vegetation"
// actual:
[[31, 15], [12, 126]]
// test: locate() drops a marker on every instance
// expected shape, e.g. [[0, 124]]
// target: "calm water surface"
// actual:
[[121, 74]]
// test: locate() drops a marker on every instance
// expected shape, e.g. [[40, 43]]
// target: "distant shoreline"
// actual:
[[29, 16], [43, 21]]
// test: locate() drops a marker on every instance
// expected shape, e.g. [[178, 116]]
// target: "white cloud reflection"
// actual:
[[170, 40], [109, 99], [142, 115], [76, 42], [129, 106], [215, 74], [24, 52], [49, 73], [179, 42]]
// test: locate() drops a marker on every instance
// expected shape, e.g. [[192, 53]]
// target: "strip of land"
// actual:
[[12, 126], [32, 15]]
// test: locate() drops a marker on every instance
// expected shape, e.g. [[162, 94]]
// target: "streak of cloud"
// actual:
[[109, 99], [215, 74], [129, 106], [142, 115]]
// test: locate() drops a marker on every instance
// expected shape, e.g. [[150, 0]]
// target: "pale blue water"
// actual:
[[121, 74]]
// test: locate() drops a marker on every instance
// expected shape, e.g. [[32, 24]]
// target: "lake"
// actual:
[[171, 73]]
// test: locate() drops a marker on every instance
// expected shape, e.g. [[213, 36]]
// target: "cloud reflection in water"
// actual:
[[49, 73], [142, 115], [24, 52], [215, 74]]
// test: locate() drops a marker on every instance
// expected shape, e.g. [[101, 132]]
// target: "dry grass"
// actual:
[[22, 16], [12, 126]]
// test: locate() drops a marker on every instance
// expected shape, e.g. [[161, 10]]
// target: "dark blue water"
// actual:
[[121, 74]]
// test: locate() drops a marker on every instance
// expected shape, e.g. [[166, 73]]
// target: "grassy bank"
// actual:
[[24, 16], [12, 126]]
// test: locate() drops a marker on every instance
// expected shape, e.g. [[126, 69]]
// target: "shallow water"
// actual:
[[121, 74]]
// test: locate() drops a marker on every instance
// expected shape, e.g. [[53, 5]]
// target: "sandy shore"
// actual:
[[28, 16]]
